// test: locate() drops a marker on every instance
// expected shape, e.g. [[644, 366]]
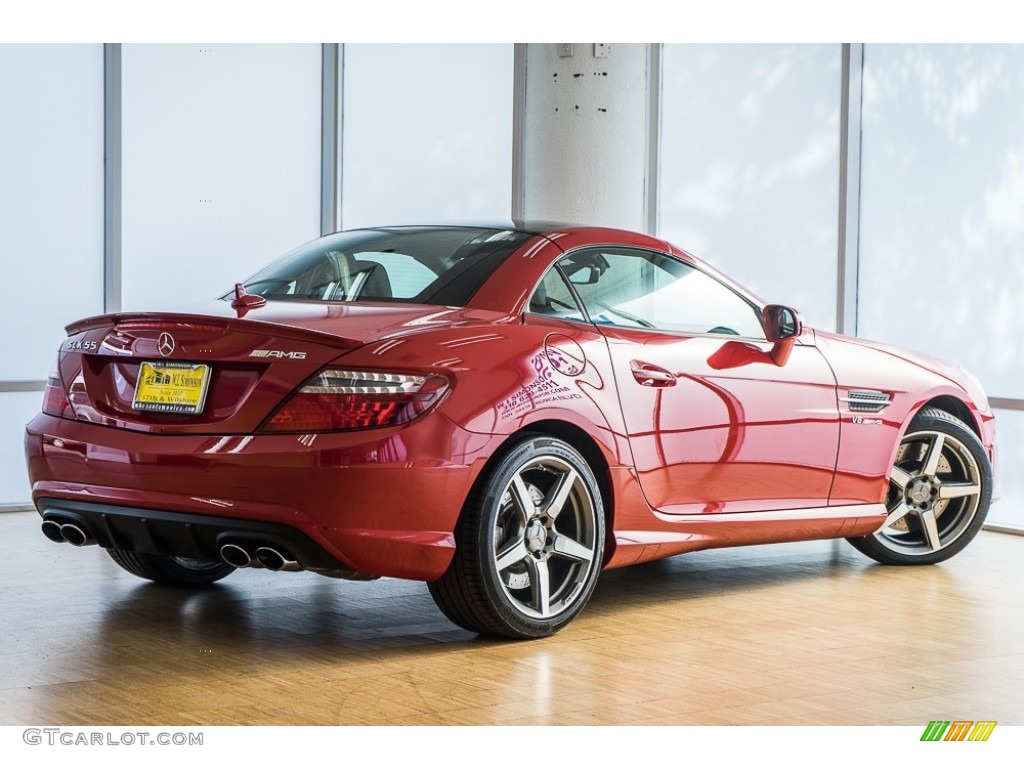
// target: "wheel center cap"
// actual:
[[536, 536], [919, 491]]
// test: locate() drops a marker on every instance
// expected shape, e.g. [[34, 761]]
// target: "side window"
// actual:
[[642, 289], [553, 297]]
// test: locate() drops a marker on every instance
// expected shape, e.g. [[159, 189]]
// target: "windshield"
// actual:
[[422, 265]]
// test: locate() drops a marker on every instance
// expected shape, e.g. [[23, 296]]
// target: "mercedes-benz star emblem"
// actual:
[[165, 344]]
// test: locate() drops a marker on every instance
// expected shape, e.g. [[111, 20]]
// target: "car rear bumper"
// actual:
[[377, 502], [197, 537]]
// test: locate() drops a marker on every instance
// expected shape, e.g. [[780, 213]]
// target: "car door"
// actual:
[[714, 423]]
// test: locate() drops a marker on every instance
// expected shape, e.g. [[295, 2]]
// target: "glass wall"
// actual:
[[221, 165], [51, 198], [750, 166], [51, 224], [942, 205], [16, 410], [427, 134], [1009, 509], [942, 216]]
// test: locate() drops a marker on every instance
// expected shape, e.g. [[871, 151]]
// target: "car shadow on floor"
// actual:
[[256, 614]]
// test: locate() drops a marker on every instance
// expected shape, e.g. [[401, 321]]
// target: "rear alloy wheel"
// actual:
[[529, 544], [939, 493], [172, 571]]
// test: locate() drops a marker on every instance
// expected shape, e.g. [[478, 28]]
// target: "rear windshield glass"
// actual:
[[422, 265]]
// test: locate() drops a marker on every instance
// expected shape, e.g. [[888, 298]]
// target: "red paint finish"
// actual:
[[726, 437], [866, 450], [355, 493], [697, 440]]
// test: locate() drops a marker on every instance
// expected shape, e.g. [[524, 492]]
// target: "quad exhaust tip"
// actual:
[[263, 557], [232, 554], [66, 533], [75, 536], [63, 531], [273, 560], [51, 530]]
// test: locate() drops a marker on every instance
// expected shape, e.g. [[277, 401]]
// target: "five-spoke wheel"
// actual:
[[939, 492], [529, 544]]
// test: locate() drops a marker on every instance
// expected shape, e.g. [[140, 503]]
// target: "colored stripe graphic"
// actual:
[[982, 730], [958, 730]]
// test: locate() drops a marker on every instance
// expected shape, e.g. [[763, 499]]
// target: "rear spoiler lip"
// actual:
[[281, 330]]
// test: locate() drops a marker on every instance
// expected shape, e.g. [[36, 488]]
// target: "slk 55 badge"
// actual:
[[86, 346]]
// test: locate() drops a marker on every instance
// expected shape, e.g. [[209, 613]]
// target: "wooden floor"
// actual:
[[805, 634]]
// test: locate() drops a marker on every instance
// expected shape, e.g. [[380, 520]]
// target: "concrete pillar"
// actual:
[[587, 133]]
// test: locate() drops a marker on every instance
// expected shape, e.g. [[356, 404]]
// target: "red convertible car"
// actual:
[[501, 412]]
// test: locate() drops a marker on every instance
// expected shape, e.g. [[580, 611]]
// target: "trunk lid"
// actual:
[[250, 364]]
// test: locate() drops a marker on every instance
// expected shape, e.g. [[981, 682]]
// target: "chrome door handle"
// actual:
[[649, 375]]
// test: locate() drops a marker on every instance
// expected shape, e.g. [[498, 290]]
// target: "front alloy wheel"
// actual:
[[939, 493], [529, 544]]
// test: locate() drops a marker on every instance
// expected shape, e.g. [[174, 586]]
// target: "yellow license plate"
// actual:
[[171, 387]]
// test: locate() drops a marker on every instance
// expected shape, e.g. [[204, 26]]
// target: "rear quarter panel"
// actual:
[[506, 376]]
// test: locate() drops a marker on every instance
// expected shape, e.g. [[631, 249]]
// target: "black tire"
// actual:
[[939, 493], [529, 544], [172, 571]]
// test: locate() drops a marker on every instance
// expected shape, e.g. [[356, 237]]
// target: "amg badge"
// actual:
[[278, 354]]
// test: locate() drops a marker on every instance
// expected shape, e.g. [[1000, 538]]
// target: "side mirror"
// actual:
[[780, 322], [781, 326]]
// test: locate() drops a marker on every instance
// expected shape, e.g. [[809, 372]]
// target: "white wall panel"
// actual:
[[942, 205], [51, 199], [750, 166], [427, 134], [585, 135], [221, 158]]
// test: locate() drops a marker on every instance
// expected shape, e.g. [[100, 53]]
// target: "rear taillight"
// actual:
[[55, 399], [336, 400]]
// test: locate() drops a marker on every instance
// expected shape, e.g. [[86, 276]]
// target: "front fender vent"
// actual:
[[866, 400]]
